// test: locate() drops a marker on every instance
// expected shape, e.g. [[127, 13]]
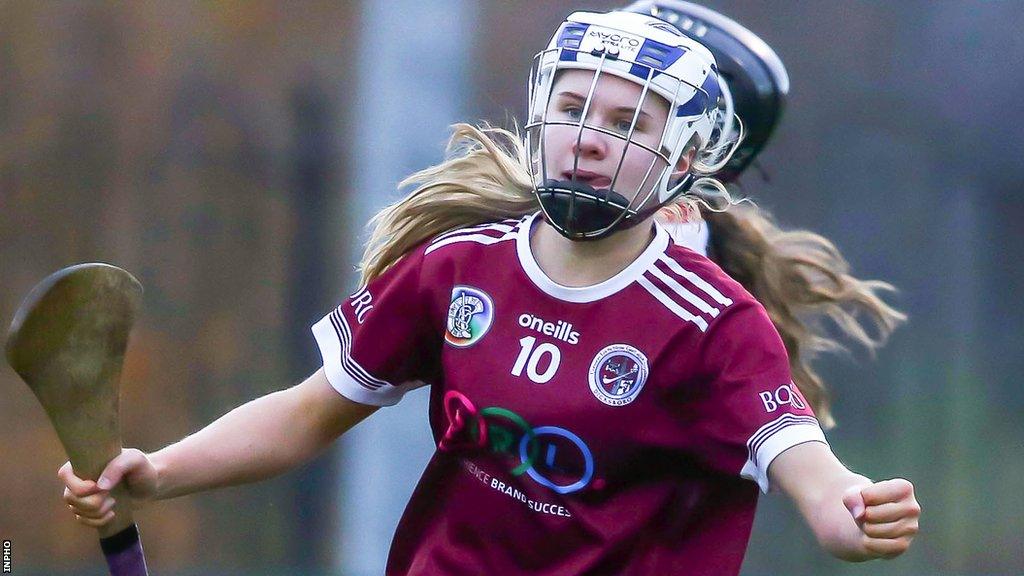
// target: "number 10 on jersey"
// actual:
[[532, 359]]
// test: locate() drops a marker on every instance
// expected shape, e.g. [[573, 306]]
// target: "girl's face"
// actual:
[[612, 108]]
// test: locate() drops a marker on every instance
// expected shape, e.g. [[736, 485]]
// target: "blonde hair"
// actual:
[[798, 276], [804, 283], [484, 178]]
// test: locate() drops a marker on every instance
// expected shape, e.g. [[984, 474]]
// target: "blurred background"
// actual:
[[230, 153]]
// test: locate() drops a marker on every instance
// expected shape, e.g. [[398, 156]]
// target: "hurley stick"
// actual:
[[67, 342]]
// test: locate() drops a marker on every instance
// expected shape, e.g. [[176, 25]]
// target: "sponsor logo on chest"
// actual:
[[552, 456]]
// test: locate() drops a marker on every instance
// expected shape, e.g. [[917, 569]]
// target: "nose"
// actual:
[[590, 144]]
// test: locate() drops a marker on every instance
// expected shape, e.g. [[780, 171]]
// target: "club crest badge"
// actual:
[[470, 315], [617, 374]]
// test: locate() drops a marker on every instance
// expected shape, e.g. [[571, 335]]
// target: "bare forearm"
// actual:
[[853, 518], [832, 523], [257, 440]]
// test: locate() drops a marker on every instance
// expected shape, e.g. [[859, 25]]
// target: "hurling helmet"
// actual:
[[663, 61]]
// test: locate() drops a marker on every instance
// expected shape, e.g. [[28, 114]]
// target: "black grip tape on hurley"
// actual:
[[121, 541]]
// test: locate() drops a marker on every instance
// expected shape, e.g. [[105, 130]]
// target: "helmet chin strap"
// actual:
[[580, 212]]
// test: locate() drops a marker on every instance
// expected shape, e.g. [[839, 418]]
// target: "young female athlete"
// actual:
[[604, 400]]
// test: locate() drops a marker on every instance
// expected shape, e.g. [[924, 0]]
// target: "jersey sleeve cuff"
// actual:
[[773, 439], [346, 376]]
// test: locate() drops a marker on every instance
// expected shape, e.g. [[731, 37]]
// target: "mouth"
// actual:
[[592, 179]]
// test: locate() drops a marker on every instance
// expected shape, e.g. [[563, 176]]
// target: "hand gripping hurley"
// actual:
[[67, 342]]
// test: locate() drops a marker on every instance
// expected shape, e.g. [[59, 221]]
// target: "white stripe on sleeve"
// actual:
[[331, 351], [773, 439]]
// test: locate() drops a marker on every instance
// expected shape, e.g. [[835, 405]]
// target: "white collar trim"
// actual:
[[586, 293]]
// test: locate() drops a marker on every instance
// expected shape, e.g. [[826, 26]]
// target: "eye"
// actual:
[[624, 124], [573, 112]]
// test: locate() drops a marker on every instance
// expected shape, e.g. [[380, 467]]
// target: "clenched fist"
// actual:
[[887, 513]]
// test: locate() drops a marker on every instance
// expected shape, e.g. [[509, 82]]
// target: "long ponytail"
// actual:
[[802, 280]]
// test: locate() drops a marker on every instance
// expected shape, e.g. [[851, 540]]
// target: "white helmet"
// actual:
[[651, 53]]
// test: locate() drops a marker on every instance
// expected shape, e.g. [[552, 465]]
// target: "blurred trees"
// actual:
[[162, 137]]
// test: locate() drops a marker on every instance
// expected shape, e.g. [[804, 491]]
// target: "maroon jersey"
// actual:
[[621, 428]]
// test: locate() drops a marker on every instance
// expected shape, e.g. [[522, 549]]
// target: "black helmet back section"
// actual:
[[753, 73]]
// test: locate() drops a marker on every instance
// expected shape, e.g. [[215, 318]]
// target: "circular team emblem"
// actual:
[[470, 315], [617, 374]]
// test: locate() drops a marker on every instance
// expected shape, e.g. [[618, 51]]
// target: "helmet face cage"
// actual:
[[574, 208]]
